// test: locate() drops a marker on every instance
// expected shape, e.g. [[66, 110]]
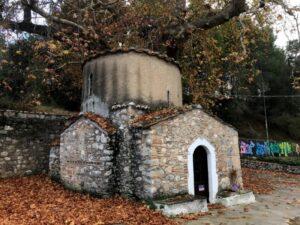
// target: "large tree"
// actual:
[[93, 12], [98, 19], [209, 38]]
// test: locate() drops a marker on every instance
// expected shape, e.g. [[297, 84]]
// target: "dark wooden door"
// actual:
[[201, 172]]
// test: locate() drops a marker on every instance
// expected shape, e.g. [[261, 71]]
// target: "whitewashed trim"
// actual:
[[212, 168]]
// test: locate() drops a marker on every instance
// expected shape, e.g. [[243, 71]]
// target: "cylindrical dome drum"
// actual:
[[123, 76]]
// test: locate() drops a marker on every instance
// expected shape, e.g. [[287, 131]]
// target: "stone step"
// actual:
[[173, 208], [238, 199]]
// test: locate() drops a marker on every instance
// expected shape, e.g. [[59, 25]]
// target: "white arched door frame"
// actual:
[[212, 168]]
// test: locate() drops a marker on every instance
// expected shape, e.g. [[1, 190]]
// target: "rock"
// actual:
[[108, 173], [246, 209], [28, 172], [103, 139], [3, 132], [8, 128], [4, 154]]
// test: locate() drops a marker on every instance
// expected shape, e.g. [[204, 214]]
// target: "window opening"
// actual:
[[90, 84]]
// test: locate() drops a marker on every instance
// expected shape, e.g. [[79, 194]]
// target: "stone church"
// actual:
[[134, 137]]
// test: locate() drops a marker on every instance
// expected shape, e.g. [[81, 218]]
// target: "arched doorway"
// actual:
[[200, 172], [202, 148]]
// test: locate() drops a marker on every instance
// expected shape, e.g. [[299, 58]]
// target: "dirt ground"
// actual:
[[37, 200], [278, 203]]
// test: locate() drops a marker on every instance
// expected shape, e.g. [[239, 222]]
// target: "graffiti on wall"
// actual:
[[268, 148]]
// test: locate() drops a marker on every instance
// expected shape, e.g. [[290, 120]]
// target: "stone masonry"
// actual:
[[135, 138], [25, 139], [147, 155], [86, 158], [54, 162], [121, 116], [254, 164], [163, 150]]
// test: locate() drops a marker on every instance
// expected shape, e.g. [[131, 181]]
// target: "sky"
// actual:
[[286, 26], [283, 28]]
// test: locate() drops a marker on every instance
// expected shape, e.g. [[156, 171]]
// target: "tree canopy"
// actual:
[[213, 41]]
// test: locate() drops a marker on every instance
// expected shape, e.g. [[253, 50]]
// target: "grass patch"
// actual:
[[292, 161]]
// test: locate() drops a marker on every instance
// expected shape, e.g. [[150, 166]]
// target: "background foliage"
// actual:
[[222, 66]]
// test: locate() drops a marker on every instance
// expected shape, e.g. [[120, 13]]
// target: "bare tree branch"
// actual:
[[29, 27], [235, 8], [47, 16], [27, 14]]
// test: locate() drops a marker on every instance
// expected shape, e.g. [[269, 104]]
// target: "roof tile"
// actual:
[[99, 120], [136, 50], [147, 120], [152, 118]]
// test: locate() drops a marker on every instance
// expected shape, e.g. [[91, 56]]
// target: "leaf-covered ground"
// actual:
[[37, 200], [265, 181]]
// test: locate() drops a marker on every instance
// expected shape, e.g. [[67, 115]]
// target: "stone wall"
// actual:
[[170, 140], [25, 139], [143, 161], [125, 153], [54, 162], [86, 158], [253, 164], [142, 169]]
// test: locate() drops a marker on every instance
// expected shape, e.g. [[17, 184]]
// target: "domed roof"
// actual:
[[135, 50]]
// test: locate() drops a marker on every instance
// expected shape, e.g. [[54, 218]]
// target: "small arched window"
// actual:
[[90, 84], [168, 97]]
